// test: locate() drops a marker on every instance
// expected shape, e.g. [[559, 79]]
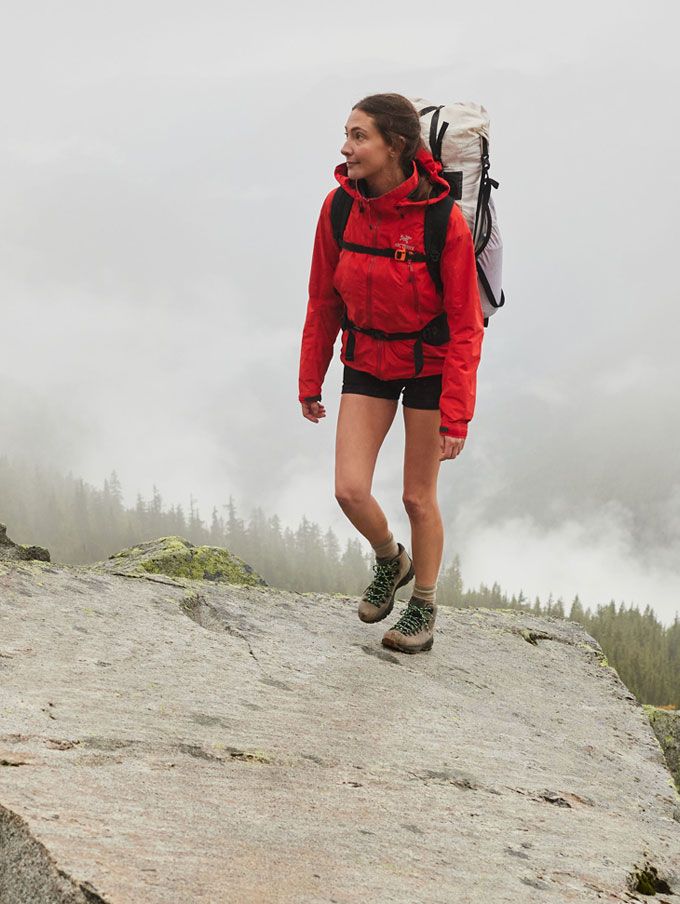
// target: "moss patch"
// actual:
[[666, 726], [648, 882], [178, 558]]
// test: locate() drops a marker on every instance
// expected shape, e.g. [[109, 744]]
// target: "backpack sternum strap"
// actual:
[[399, 254], [436, 224]]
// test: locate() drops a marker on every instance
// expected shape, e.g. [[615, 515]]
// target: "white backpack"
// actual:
[[458, 137]]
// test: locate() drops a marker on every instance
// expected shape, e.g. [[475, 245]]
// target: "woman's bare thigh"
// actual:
[[421, 453], [363, 423]]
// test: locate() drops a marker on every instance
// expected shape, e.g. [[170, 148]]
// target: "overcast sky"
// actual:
[[162, 166]]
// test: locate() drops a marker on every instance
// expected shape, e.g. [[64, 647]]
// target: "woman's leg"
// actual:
[[413, 633], [363, 422], [421, 469]]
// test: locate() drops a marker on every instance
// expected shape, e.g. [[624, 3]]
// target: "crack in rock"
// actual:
[[195, 606], [233, 753], [223, 753], [146, 577], [451, 777], [560, 799], [60, 743], [535, 883], [532, 635]]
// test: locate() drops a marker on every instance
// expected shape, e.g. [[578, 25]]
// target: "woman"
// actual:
[[392, 179]]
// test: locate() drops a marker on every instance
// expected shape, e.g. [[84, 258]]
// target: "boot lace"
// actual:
[[413, 620], [381, 585]]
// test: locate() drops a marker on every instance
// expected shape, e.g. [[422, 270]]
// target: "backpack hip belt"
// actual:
[[436, 332]]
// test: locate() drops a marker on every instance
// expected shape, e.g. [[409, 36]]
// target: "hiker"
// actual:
[[371, 278]]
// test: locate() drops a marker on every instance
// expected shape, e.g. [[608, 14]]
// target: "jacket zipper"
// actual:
[[369, 274]]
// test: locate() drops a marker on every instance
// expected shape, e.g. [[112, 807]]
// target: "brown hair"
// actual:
[[398, 122]]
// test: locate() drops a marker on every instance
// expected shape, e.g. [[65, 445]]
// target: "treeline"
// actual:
[[81, 524]]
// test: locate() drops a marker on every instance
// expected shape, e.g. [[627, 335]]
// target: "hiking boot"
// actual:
[[413, 633], [378, 598]]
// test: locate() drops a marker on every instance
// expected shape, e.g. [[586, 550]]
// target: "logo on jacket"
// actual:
[[403, 248]]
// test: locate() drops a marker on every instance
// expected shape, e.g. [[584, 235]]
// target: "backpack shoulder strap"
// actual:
[[340, 208], [436, 223]]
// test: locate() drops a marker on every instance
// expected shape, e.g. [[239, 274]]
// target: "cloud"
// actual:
[[596, 557]]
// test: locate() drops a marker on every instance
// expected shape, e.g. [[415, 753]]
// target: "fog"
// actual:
[[162, 170]]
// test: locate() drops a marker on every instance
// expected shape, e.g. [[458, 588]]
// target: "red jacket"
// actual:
[[394, 296]]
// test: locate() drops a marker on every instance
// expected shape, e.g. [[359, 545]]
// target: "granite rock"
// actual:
[[172, 741]]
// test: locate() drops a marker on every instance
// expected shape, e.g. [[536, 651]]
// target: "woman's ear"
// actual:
[[397, 146]]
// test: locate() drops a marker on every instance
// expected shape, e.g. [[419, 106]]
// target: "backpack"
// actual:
[[458, 137]]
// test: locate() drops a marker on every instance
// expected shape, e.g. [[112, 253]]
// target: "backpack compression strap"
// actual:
[[436, 140]]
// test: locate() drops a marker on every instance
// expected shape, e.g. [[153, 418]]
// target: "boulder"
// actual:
[[178, 558], [11, 551]]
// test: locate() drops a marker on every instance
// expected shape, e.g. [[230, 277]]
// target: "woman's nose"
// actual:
[[344, 150]]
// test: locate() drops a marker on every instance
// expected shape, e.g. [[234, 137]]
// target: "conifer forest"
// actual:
[[81, 524]]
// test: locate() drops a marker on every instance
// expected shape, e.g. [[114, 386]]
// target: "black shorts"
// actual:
[[419, 392]]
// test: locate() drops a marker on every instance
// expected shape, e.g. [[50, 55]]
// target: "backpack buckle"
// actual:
[[400, 254]]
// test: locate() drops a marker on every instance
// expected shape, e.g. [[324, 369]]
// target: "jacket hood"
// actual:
[[424, 163]]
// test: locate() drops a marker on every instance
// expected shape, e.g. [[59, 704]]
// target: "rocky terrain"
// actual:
[[171, 740]]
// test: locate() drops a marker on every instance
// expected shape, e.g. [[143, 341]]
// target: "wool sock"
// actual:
[[424, 595], [386, 551]]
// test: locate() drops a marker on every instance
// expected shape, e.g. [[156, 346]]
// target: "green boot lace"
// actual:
[[413, 620], [381, 586]]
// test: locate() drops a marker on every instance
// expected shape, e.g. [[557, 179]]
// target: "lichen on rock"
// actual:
[[666, 726], [178, 558]]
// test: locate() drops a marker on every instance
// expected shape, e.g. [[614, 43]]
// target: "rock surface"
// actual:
[[666, 725], [15, 552], [177, 557], [174, 741]]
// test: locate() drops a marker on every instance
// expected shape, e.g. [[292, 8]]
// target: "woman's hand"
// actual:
[[313, 411], [450, 446]]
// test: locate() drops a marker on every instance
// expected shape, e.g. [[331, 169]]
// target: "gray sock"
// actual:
[[387, 550], [426, 595]]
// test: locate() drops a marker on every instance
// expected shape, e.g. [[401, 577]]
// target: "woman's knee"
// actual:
[[419, 505], [351, 496]]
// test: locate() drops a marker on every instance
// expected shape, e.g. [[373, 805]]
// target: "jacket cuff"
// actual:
[[314, 398], [456, 429]]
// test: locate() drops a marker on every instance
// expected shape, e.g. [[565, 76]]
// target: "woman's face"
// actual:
[[365, 150]]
